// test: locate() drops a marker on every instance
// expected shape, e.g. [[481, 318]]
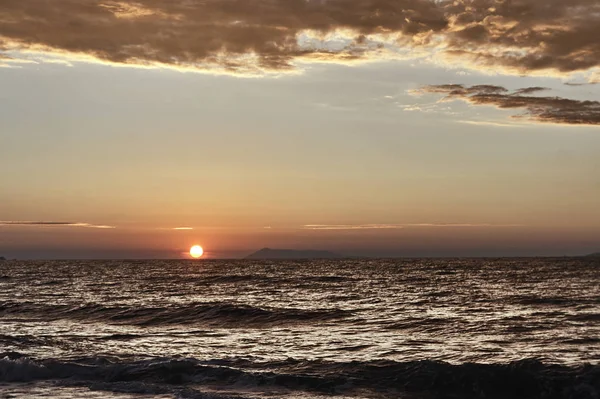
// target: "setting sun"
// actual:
[[196, 251]]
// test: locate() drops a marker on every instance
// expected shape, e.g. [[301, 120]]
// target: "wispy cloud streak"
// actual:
[[496, 124], [10, 223], [461, 225], [397, 226], [351, 226]]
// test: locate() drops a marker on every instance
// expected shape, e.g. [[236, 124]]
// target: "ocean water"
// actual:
[[411, 328]]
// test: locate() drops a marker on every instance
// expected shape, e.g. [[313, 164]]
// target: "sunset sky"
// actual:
[[366, 127]]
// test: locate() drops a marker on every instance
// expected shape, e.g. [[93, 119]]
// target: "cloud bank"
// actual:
[[245, 36], [537, 108]]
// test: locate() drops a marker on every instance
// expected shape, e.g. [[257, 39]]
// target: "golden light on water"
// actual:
[[196, 251]]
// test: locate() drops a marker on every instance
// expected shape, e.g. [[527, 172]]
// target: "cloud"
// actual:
[[580, 83], [12, 62], [351, 226], [461, 225], [236, 35], [539, 109], [242, 36], [495, 123], [54, 224], [396, 226], [529, 90]]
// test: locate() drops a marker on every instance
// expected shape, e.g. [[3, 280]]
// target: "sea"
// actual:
[[357, 328]]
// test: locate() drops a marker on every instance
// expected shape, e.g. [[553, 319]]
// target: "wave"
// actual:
[[528, 378], [585, 317], [535, 300], [213, 314], [430, 324], [230, 279], [582, 341], [243, 278]]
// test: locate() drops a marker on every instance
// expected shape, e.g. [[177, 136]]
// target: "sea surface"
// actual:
[[410, 328]]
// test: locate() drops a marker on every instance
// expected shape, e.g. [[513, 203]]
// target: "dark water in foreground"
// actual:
[[477, 328]]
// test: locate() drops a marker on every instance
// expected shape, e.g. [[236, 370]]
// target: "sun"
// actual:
[[196, 251]]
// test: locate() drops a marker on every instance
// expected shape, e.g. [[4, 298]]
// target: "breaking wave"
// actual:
[[528, 378]]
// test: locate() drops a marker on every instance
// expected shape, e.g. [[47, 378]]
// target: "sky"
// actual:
[[366, 127]]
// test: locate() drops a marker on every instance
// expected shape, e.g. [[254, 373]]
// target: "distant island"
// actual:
[[2, 258], [594, 255], [268, 253]]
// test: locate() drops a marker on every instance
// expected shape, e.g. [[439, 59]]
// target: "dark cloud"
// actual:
[[540, 109], [521, 35], [527, 34], [580, 84], [230, 33], [530, 90]]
